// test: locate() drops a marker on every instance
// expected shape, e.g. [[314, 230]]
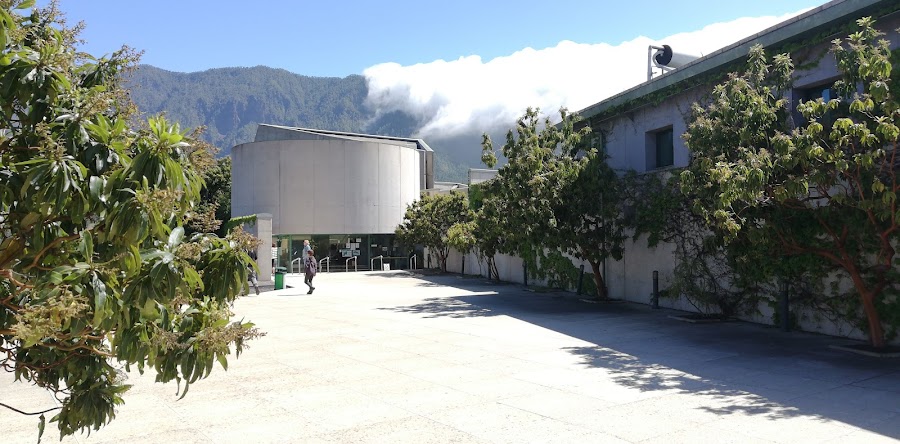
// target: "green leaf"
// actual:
[[175, 237], [87, 245], [223, 360], [26, 4], [97, 186], [29, 220], [99, 292], [42, 423]]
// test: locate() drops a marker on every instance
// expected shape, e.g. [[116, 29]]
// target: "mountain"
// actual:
[[230, 102]]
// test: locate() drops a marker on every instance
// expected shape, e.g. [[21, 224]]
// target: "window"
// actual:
[[599, 141], [825, 92], [665, 149], [660, 148]]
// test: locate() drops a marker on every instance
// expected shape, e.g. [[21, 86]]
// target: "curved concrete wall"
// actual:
[[326, 186]]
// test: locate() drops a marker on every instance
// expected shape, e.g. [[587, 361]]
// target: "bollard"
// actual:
[[580, 279], [654, 299], [463, 265], [785, 311], [525, 272]]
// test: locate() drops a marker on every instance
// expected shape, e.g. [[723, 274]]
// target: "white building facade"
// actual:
[[344, 192]]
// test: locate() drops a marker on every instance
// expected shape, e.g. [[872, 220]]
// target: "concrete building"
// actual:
[[478, 175], [447, 188], [642, 127], [344, 192]]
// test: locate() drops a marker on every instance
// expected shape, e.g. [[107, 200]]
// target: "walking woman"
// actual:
[[311, 267]]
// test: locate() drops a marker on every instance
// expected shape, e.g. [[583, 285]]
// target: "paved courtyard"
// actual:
[[390, 357]]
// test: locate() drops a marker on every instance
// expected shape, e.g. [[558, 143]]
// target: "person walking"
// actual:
[[311, 266], [251, 276], [304, 254]]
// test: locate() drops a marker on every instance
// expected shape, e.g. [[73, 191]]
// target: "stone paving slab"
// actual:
[[391, 357]]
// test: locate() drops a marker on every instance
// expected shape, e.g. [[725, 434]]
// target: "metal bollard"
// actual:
[[785, 311], [580, 279], [654, 298]]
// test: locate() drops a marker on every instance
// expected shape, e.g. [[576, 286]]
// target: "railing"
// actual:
[[299, 265], [413, 262], [372, 262], [327, 261], [354, 259]]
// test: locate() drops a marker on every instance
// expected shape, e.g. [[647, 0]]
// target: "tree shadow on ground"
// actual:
[[630, 371], [444, 307], [393, 274], [734, 367]]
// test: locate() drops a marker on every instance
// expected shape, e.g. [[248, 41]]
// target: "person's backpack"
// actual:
[[311, 265]]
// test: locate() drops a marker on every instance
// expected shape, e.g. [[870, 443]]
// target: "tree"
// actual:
[[591, 216], [558, 192], [215, 199], [461, 237], [489, 230], [827, 188], [428, 221], [95, 268]]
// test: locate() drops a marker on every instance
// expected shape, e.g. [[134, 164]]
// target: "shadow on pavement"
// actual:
[[740, 368]]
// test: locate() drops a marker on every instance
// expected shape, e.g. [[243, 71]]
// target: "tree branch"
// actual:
[[49, 246]]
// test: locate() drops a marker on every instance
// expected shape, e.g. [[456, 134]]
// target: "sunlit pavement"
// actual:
[[389, 357]]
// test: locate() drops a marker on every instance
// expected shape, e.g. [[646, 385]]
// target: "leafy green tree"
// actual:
[[95, 268], [827, 188], [461, 237], [591, 216], [489, 230], [558, 192], [428, 221]]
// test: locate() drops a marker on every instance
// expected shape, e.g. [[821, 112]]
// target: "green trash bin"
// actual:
[[279, 280]]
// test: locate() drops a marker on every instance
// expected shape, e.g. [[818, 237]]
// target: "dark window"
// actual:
[[600, 142], [824, 92], [665, 148], [812, 94]]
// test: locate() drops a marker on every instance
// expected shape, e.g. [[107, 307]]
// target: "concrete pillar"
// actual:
[[263, 231]]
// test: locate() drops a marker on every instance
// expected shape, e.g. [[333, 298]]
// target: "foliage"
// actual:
[[461, 237], [428, 222], [827, 188], [216, 192], [559, 193], [490, 225], [95, 267], [714, 277]]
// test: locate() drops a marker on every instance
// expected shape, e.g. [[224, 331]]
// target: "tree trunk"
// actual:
[[876, 331], [492, 269], [598, 281]]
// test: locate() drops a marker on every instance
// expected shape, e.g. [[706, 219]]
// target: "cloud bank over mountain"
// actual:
[[469, 96]]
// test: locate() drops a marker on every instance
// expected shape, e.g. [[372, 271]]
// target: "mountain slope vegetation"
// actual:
[[231, 102]]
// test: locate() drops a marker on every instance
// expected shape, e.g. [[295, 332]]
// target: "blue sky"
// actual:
[[326, 38]]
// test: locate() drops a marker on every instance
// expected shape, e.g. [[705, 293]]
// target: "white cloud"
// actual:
[[470, 96]]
